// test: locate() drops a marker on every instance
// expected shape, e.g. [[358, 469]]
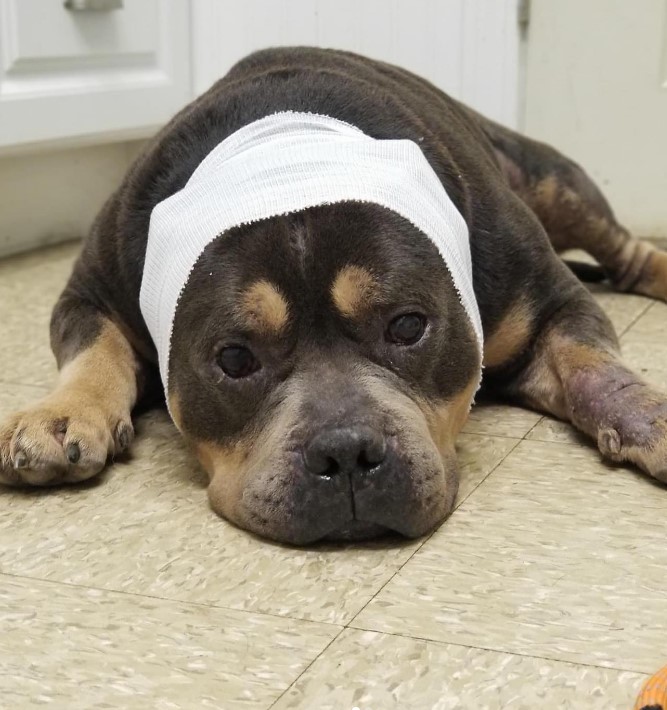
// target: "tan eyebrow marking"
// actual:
[[264, 307], [354, 289]]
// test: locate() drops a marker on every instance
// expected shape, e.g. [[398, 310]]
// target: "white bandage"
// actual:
[[284, 163]]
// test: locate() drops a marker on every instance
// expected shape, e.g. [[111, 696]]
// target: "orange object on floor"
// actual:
[[654, 692]]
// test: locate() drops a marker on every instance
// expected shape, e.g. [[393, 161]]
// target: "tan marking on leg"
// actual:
[[354, 290], [652, 280], [574, 221], [69, 434], [106, 370], [265, 308], [546, 191], [557, 359], [511, 335]]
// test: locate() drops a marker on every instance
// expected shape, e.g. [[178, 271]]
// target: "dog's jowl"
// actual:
[[315, 262]]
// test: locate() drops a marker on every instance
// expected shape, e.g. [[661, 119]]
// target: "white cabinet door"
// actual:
[[597, 90], [469, 48], [90, 73]]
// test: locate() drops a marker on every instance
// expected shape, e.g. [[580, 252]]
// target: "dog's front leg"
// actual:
[[68, 436], [576, 374]]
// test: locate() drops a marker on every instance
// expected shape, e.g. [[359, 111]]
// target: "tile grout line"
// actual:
[[502, 460], [306, 669], [497, 650], [494, 436], [204, 605], [456, 507], [629, 327], [342, 628], [578, 664], [529, 432]]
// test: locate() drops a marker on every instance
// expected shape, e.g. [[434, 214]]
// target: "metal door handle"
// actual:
[[93, 5]]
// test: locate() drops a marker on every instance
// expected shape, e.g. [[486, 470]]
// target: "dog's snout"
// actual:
[[347, 449]]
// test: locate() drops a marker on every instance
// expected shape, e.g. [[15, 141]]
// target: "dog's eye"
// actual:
[[237, 361], [406, 329]]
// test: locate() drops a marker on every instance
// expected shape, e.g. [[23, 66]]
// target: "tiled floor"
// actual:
[[546, 588]]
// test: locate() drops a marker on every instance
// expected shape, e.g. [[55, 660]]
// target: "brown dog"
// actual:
[[321, 362]]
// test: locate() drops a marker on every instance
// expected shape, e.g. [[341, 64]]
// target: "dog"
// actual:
[[322, 360]]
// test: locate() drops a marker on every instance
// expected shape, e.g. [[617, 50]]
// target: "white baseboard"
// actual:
[[50, 197]]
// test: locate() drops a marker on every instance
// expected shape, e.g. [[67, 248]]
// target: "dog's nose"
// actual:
[[344, 450]]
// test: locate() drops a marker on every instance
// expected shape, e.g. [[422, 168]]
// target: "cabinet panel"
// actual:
[[70, 74], [45, 32]]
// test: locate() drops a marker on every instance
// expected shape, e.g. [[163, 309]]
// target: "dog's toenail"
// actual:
[[21, 460], [609, 441], [73, 453], [124, 436]]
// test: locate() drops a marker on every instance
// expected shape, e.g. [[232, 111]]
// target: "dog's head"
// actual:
[[321, 366]]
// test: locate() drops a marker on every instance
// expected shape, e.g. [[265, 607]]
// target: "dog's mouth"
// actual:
[[355, 530]]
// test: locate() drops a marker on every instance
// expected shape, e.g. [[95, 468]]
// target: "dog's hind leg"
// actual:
[[575, 213], [69, 435], [576, 373]]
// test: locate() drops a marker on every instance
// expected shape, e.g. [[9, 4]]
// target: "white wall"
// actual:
[[597, 90], [469, 48]]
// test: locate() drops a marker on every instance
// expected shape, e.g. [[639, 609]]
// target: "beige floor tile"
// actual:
[[648, 359], [29, 287], [645, 345], [366, 670], [15, 397], [478, 455], [651, 325], [76, 648], [501, 420], [555, 555], [622, 308], [560, 432]]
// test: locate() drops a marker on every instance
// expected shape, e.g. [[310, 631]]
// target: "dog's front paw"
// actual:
[[66, 438], [636, 429]]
